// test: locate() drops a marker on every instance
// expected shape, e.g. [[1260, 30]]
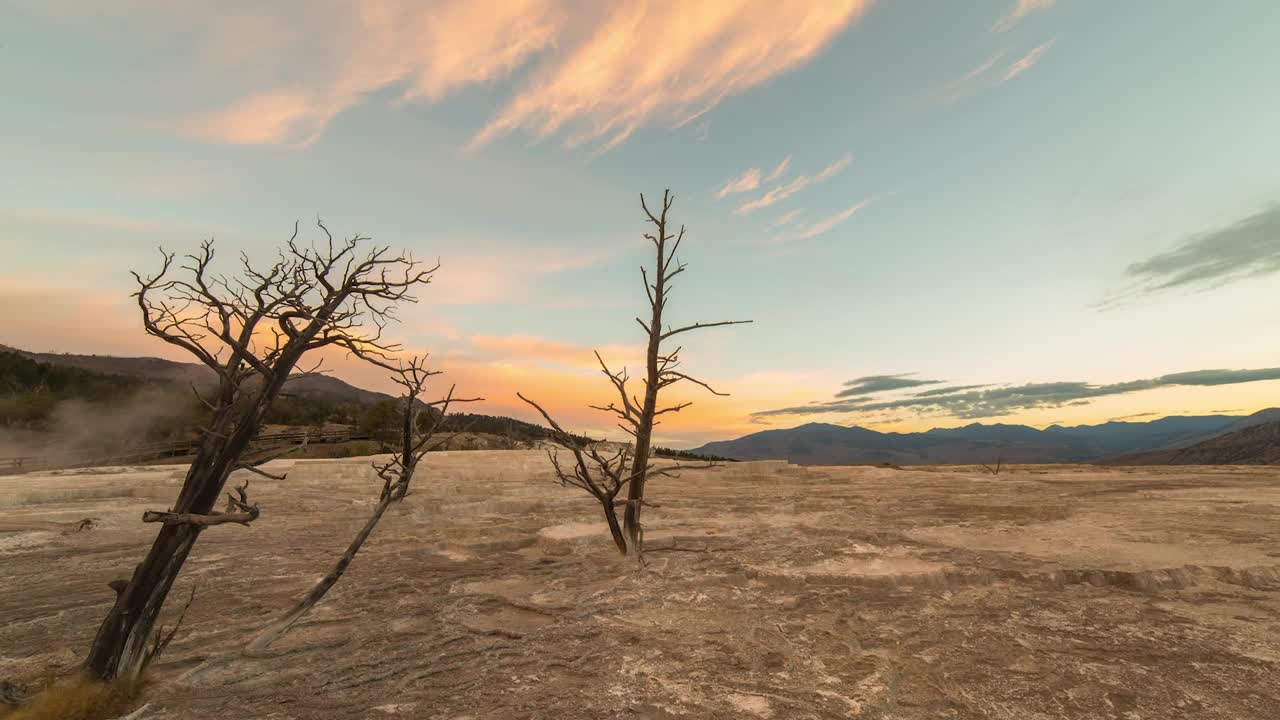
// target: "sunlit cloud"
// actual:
[[615, 78], [990, 73], [780, 169], [1020, 10], [746, 182], [507, 274], [786, 218], [824, 225], [968, 82], [588, 72], [786, 190], [1026, 62], [263, 119]]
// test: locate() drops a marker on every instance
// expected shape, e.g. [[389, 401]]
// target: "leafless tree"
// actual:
[[251, 331], [994, 469], [604, 475], [662, 367], [396, 475], [601, 474]]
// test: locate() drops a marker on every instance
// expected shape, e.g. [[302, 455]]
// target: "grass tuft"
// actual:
[[79, 698]]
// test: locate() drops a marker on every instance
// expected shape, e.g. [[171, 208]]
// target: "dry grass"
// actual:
[[79, 698]]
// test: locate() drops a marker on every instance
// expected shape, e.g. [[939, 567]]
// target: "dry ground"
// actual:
[[771, 592]]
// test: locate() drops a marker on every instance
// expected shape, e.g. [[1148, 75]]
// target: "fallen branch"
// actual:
[[239, 511]]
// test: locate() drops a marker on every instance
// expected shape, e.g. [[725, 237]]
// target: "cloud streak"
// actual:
[[746, 182], [584, 72], [1021, 10], [822, 226], [616, 79], [781, 192], [873, 384], [994, 401], [780, 170], [1026, 62], [990, 73], [1247, 248]]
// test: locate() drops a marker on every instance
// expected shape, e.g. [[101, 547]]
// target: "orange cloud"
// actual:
[[507, 274], [594, 71], [618, 78], [1022, 9], [749, 180], [264, 119], [1025, 63], [824, 225], [780, 169], [782, 192]]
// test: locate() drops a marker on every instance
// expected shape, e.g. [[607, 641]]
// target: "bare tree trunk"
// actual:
[[396, 474], [644, 432], [611, 517], [121, 642], [273, 631], [122, 638]]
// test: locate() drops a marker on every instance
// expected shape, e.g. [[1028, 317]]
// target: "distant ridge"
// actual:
[[152, 368], [1251, 445], [828, 444]]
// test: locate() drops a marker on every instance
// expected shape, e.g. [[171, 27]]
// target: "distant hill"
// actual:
[[828, 444], [306, 401], [320, 387], [1253, 445]]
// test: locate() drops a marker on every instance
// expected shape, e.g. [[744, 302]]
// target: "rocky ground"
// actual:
[[770, 592]]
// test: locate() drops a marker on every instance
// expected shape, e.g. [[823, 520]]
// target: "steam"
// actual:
[[77, 426]]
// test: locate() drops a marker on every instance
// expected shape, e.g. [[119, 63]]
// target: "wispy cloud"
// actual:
[[780, 169], [523, 348], [968, 82], [782, 192], [971, 402], [615, 79], [1247, 248], [1026, 62], [746, 182], [585, 72], [1020, 10], [873, 384], [506, 274], [786, 218], [990, 73], [1134, 416], [824, 225]]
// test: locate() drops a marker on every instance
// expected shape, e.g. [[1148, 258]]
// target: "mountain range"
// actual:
[[828, 444], [1179, 439]]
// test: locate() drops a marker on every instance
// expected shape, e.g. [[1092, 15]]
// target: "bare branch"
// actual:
[[699, 326]]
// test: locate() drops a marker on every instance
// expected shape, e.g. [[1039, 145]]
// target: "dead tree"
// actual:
[[638, 416], [604, 476], [396, 475], [994, 469], [251, 331], [600, 474]]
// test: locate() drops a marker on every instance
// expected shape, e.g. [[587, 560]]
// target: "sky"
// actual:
[[935, 213]]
